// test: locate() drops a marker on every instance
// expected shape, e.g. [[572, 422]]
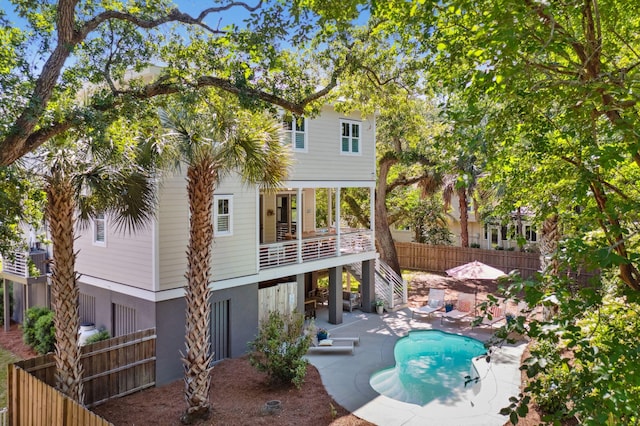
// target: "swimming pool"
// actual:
[[430, 364]]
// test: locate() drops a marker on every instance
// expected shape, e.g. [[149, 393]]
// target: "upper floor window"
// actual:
[[222, 215], [530, 234], [295, 131], [99, 230], [349, 137]]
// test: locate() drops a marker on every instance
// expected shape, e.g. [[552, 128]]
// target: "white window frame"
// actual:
[[290, 134], [99, 218], [216, 204], [350, 137]]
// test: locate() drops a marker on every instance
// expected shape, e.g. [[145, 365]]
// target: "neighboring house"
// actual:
[[487, 235], [261, 240], [24, 277]]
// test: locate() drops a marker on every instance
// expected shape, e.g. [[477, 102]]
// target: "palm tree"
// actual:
[[80, 178], [549, 238], [463, 184], [214, 138]]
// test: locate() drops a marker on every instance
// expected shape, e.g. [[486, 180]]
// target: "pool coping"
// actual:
[[346, 377]]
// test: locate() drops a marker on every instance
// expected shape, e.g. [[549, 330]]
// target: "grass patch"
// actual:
[[6, 357]]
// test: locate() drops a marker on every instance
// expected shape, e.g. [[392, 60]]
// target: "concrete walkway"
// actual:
[[346, 377]]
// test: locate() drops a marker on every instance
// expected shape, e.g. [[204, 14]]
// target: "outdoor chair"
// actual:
[[350, 300], [434, 304], [497, 312], [320, 295], [333, 345], [466, 306]]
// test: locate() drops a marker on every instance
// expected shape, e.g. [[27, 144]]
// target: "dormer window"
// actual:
[[295, 131]]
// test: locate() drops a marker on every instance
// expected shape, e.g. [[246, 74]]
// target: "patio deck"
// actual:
[[346, 377]]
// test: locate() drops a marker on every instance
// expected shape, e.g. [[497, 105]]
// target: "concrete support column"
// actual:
[[5, 300], [335, 295], [368, 288], [301, 293]]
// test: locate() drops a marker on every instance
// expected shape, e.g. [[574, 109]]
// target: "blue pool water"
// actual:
[[430, 364]]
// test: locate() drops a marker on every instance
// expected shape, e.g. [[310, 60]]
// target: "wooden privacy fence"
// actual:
[[426, 257], [440, 258], [33, 402], [280, 298], [111, 368]]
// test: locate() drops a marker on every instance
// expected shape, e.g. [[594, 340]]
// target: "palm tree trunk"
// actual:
[[201, 179], [64, 289], [464, 217], [519, 227], [548, 245]]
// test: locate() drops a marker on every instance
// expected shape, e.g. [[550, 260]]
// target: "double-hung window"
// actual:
[[349, 137], [99, 230], [295, 131], [222, 215]]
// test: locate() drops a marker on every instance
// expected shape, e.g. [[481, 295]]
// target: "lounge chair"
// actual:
[[497, 312], [332, 346], [434, 304], [465, 307]]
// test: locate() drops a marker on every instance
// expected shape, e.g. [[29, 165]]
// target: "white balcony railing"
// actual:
[[19, 264], [315, 248]]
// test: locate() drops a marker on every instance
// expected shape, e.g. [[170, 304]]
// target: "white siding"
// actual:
[[173, 231], [324, 161], [236, 255], [126, 258], [233, 255]]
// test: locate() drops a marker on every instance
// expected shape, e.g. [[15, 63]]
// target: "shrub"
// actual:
[[99, 336], [279, 347], [45, 334], [29, 325]]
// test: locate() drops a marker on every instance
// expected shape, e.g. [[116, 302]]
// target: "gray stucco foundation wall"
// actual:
[[243, 327], [145, 313], [243, 316], [170, 340]]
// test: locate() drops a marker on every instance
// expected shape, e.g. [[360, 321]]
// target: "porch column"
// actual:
[[301, 294], [5, 297], [368, 287], [329, 207], [299, 212], [337, 221], [372, 212], [335, 295]]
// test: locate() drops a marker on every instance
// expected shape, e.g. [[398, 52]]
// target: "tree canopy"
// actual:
[[279, 55]]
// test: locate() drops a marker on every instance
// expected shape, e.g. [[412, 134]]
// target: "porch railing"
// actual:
[[390, 287], [315, 248], [19, 264]]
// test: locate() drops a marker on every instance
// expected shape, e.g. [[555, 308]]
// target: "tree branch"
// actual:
[[175, 15], [21, 138]]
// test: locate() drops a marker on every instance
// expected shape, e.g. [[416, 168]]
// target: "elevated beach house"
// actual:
[[269, 248]]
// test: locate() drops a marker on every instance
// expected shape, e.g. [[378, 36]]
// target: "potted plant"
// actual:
[[510, 318], [448, 306], [322, 334], [379, 304]]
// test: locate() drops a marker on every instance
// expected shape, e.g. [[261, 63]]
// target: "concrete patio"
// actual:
[[346, 377]]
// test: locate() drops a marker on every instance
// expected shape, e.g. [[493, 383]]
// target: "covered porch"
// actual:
[[304, 224]]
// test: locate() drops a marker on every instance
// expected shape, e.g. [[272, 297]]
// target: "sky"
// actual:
[[192, 7]]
